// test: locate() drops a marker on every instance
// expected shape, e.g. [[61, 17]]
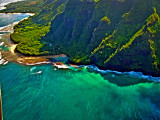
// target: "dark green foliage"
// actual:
[[28, 33], [27, 6], [80, 30], [113, 34]]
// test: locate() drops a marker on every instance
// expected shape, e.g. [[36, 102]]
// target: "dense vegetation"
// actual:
[[29, 32], [27, 6], [121, 35]]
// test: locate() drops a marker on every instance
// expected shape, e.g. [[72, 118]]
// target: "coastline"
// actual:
[[10, 27], [37, 60], [41, 60], [130, 73], [9, 56], [2, 6]]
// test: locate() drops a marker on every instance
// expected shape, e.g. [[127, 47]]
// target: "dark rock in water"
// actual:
[[120, 35]]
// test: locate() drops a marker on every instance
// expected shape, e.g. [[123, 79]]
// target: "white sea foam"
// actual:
[[2, 43], [61, 66], [39, 72], [32, 69], [14, 23], [38, 63], [2, 6], [5, 63], [0, 55], [131, 73], [2, 61], [19, 62]]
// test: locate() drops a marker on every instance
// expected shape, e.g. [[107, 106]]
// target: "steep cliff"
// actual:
[[121, 35], [113, 34]]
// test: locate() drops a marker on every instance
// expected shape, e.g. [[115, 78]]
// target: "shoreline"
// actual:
[[10, 55], [10, 27], [38, 60], [2, 6], [130, 73]]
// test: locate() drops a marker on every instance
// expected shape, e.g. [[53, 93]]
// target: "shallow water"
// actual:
[[5, 2], [45, 93], [29, 94], [6, 19], [8, 1]]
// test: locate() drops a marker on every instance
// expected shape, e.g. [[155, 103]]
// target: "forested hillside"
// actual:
[[29, 32], [122, 35]]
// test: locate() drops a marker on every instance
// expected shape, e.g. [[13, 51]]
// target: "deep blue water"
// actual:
[[45, 93]]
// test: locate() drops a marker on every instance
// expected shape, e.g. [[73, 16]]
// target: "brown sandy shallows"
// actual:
[[32, 60], [12, 56], [8, 56]]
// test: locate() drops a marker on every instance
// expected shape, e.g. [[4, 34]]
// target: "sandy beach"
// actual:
[[2, 6], [12, 56]]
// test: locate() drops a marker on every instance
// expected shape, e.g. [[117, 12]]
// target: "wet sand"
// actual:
[[12, 56]]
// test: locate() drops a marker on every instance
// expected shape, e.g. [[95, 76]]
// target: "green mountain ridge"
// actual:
[[119, 35]]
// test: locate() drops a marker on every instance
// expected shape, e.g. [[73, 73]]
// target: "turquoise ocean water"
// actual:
[[62, 94], [45, 93]]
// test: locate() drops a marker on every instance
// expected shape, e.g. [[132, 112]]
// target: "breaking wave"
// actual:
[[131, 73]]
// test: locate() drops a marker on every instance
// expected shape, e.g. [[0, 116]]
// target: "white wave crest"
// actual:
[[131, 73], [2, 61], [5, 63], [32, 69], [38, 63], [2, 5], [2, 43], [39, 72], [61, 66]]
